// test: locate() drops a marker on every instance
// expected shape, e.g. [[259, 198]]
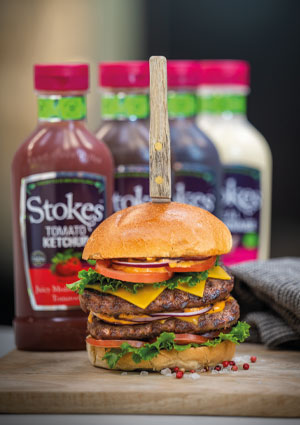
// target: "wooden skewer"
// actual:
[[159, 139]]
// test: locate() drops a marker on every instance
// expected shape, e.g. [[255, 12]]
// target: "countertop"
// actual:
[[7, 344]]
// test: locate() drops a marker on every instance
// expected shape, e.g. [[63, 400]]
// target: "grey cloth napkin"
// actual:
[[269, 296]]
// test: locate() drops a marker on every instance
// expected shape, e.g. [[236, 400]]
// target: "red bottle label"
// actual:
[[58, 212]]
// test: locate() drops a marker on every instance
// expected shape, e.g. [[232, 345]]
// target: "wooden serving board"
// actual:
[[65, 382]]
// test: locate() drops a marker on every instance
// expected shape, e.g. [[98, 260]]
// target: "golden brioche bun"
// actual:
[[192, 358], [159, 230]]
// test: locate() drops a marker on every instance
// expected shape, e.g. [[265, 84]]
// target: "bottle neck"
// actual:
[[219, 102], [182, 103], [61, 107], [125, 104]]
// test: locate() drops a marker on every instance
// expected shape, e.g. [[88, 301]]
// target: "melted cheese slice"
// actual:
[[215, 273], [141, 299], [217, 307], [218, 273], [194, 290], [129, 269], [174, 264]]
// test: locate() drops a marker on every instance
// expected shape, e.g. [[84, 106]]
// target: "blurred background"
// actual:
[[264, 32]]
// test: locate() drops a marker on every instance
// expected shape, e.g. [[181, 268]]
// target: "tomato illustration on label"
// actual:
[[66, 263]]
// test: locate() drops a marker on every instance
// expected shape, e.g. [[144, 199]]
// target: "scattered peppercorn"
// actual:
[[246, 366], [253, 359], [218, 368], [176, 369], [232, 363], [225, 363], [234, 368], [179, 374]]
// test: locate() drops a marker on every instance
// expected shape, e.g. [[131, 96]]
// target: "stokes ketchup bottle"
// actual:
[[62, 179]]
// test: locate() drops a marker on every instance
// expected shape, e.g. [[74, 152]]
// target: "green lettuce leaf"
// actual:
[[91, 277], [166, 342], [238, 334], [191, 279]]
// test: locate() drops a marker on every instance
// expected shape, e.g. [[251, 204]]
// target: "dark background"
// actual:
[[267, 34]]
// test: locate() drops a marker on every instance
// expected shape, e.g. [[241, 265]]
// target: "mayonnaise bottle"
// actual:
[[244, 153]]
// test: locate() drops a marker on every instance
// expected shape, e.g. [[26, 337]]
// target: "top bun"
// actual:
[[159, 230]]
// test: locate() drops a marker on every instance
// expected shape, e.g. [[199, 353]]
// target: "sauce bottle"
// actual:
[[125, 128], [61, 189], [245, 154], [196, 164]]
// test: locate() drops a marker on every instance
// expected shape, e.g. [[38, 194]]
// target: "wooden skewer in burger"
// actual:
[[157, 297]]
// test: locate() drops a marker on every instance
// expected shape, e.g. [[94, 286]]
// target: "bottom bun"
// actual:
[[192, 358]]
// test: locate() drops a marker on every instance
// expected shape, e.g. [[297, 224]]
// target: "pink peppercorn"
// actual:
[[179, 374]]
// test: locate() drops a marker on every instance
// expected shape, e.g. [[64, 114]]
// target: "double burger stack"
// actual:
[[157, 296]]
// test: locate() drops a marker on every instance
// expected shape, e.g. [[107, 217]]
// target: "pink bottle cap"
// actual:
[[123, 74], [224, 72], [183, 73], [61, 77]]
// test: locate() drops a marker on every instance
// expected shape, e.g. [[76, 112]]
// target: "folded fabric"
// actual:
[[269, 296]]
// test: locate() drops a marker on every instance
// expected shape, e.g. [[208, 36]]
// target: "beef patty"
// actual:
[[169, 300], [206, 322]]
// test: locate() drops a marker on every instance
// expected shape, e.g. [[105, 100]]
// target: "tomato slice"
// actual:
[[102, 267], [200, 266], [189, 339], [113, 343]]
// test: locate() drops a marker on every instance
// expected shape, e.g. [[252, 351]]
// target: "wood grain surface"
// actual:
[[65, 382], [159, 137]]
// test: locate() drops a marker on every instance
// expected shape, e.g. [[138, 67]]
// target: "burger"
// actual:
[[157, 296]]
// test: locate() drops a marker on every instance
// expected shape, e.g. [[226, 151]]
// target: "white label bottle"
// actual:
[[244, 153]]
